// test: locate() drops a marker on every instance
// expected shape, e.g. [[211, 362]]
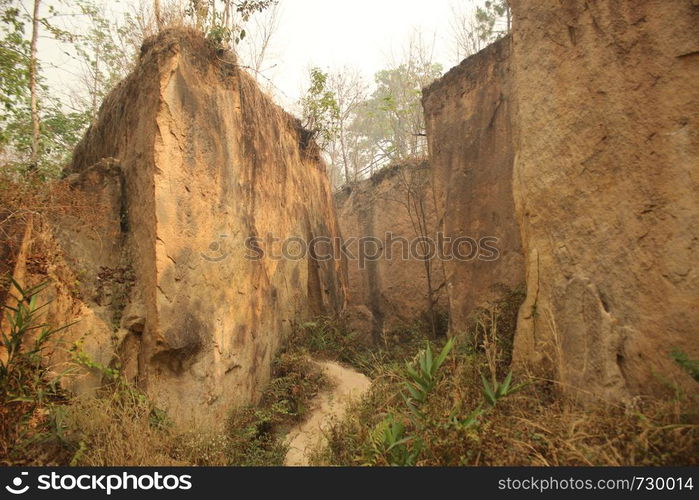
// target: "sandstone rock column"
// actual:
[[210, 162], [606, 183], [468, 117]]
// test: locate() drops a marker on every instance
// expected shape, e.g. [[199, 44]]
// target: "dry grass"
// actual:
[[529, 428], [122, 427], [22, 199], [566, 434], [31, 201], [532, 427]]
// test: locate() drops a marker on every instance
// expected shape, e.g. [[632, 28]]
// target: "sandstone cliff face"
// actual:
[[468, 117], [390, 212], [201, 161], [76, 250], [606, 184]]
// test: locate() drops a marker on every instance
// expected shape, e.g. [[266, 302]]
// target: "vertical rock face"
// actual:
[[212, 174], [468, 117], [606, 185], [382, 220], [76, 250]]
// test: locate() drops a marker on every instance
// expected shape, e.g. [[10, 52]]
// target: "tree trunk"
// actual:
[[509, 16], [158, 15], [36, 125], [95, 84], [227, 17], [432, 311], [343, 147], [201, 12], [418, 219]]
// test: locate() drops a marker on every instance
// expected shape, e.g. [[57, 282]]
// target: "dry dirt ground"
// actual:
[[344, 386]]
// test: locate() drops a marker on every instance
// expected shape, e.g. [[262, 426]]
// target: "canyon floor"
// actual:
[[345, 386]]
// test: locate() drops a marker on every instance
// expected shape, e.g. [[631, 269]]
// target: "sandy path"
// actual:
[[345, 385]]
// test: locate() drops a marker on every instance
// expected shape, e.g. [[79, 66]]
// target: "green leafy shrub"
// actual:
[[27, 386], [389, 444], [690, 366]]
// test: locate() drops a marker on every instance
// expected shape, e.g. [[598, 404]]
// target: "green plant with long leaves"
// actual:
[[24, 377], [392, 442], [422, 377], [492, 393], [499, 390], [391, 445]]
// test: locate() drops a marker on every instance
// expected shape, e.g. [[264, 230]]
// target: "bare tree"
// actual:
[[385, 125], [33, 68], [158, 14], [493, 20], [400, 90], [464, 31], [476, 25], [200, 10], [414, 189], [350, 91], [256, 47], [141, 21], [225, 23]]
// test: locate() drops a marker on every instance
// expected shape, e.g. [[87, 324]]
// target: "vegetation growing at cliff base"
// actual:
[[44, 425], [453, 403], [528, 428], [438, 398], [463, 419]]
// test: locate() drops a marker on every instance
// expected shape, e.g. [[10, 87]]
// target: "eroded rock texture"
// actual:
[[606, 185], [383, 221], [201, 161], [468, 117]]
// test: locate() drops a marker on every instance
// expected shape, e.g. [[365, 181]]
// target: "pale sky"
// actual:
[[361, 33], [331, 34]]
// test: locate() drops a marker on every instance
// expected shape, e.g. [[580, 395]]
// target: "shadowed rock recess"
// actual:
[[200, 160], [386, 216]]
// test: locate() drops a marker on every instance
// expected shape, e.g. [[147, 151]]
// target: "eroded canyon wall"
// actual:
[[579, 137], [606, 184], [203, 162], [468, 117], [382, 220]]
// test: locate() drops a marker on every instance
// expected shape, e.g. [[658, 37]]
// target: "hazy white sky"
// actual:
[[331, 34], [361, 33]]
